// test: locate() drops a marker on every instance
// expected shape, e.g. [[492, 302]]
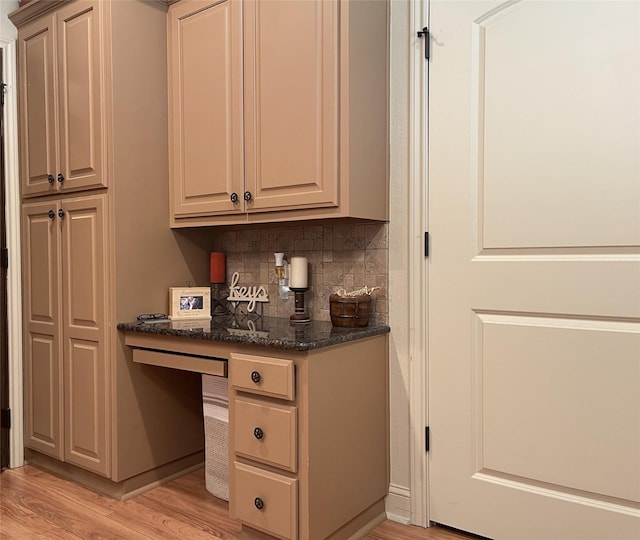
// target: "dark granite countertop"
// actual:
[[266, 332]]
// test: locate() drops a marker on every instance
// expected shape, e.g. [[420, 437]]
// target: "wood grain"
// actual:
[[37, 505]]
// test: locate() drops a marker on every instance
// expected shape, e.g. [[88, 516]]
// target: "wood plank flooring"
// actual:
[[37, 505]]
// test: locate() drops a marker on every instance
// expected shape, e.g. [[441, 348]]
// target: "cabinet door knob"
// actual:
[[258, 433], [50, 178], [234, 198], [255, 377], [247, 196], [259, 503], [61, 213], [60, 177], [51, 214]]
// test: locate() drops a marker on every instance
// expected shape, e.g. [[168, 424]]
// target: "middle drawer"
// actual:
[[266, 432]]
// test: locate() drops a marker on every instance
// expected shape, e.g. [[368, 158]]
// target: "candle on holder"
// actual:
[[218, 267], [299, 273]]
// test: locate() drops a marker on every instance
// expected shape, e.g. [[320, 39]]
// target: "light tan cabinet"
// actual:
[[92, 78], [278, 110], [308, 430], [65, 313], [308, 441], [62, 114]]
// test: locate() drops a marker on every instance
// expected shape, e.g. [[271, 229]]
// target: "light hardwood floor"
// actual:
[[37, 505]]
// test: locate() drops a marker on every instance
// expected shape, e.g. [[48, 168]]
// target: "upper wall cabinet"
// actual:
[[61, 115], [278, 110]]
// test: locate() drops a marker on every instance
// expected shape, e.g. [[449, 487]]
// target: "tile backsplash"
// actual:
[[345, 255]]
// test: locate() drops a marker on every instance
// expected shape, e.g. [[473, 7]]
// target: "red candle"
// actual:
[[218, 267]]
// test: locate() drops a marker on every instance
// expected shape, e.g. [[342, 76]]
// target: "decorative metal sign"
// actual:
[[250, 294]]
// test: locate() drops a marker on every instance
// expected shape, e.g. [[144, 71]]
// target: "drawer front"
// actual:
[[262, 375], [265, 432], [210, 366], [266, 501]]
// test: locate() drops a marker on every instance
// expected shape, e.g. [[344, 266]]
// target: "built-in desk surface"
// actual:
[[268, 332]]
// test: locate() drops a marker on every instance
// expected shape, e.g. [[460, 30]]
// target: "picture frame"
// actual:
[[189, 303]]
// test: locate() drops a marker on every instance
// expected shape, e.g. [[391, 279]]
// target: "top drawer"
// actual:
[[262, 375]]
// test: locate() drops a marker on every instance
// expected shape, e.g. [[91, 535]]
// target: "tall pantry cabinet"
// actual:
[[94, 183]]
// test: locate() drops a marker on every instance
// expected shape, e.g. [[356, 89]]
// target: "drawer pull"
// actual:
[[259, 503], [258, 433], [255, 377]]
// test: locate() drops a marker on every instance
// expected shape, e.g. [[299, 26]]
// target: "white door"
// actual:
[[534, 278]]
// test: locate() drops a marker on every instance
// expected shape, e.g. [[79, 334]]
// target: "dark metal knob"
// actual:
[[255, 377], [259, 503], [258, 433], [61, 213], [247, 196], [50, 178], [234, 198], [51, 214], [60, 177]]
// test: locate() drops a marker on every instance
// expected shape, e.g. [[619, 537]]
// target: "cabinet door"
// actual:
[[291, 103], [41, 312], [38, 131], [81, 105], [84, 314], [205, 107]]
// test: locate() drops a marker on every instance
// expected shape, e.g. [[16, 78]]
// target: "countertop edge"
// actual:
[[281, 335]]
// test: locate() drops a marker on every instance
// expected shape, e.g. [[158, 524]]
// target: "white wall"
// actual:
[[398, 502], [8, 32]]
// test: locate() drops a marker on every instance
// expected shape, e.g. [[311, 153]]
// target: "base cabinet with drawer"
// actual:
[[308, 440]]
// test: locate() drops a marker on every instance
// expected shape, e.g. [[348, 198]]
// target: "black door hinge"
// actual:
[[426, 438], [3, 90], [426, 244], [5, 418], [427, 45], [4, 258]]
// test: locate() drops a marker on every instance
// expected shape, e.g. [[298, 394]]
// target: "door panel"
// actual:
[[534, 278], [531, 125], [43, 412], [83, 276], [525, 414], [81, 102], [38, 157], [205, 58], [291, 128], [85, 403], [41, 308]]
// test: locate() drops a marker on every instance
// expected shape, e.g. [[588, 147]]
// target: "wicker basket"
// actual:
[[350, 311]]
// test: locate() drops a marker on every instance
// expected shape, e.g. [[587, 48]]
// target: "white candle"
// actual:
[[299, 269]]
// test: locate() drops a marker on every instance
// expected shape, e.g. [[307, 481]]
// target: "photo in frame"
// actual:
[[189, 303]]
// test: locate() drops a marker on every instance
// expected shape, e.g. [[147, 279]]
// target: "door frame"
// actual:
[[14, 285], [418, 263]]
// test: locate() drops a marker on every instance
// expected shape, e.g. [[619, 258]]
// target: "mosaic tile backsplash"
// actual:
[[345, 255]]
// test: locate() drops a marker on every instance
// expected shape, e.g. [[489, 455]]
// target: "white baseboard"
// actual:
[[398, 504]]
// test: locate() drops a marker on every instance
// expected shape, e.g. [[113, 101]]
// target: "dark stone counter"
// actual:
[[266, 332]]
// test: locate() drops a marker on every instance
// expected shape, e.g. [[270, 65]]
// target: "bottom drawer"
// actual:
[[266, 501]]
